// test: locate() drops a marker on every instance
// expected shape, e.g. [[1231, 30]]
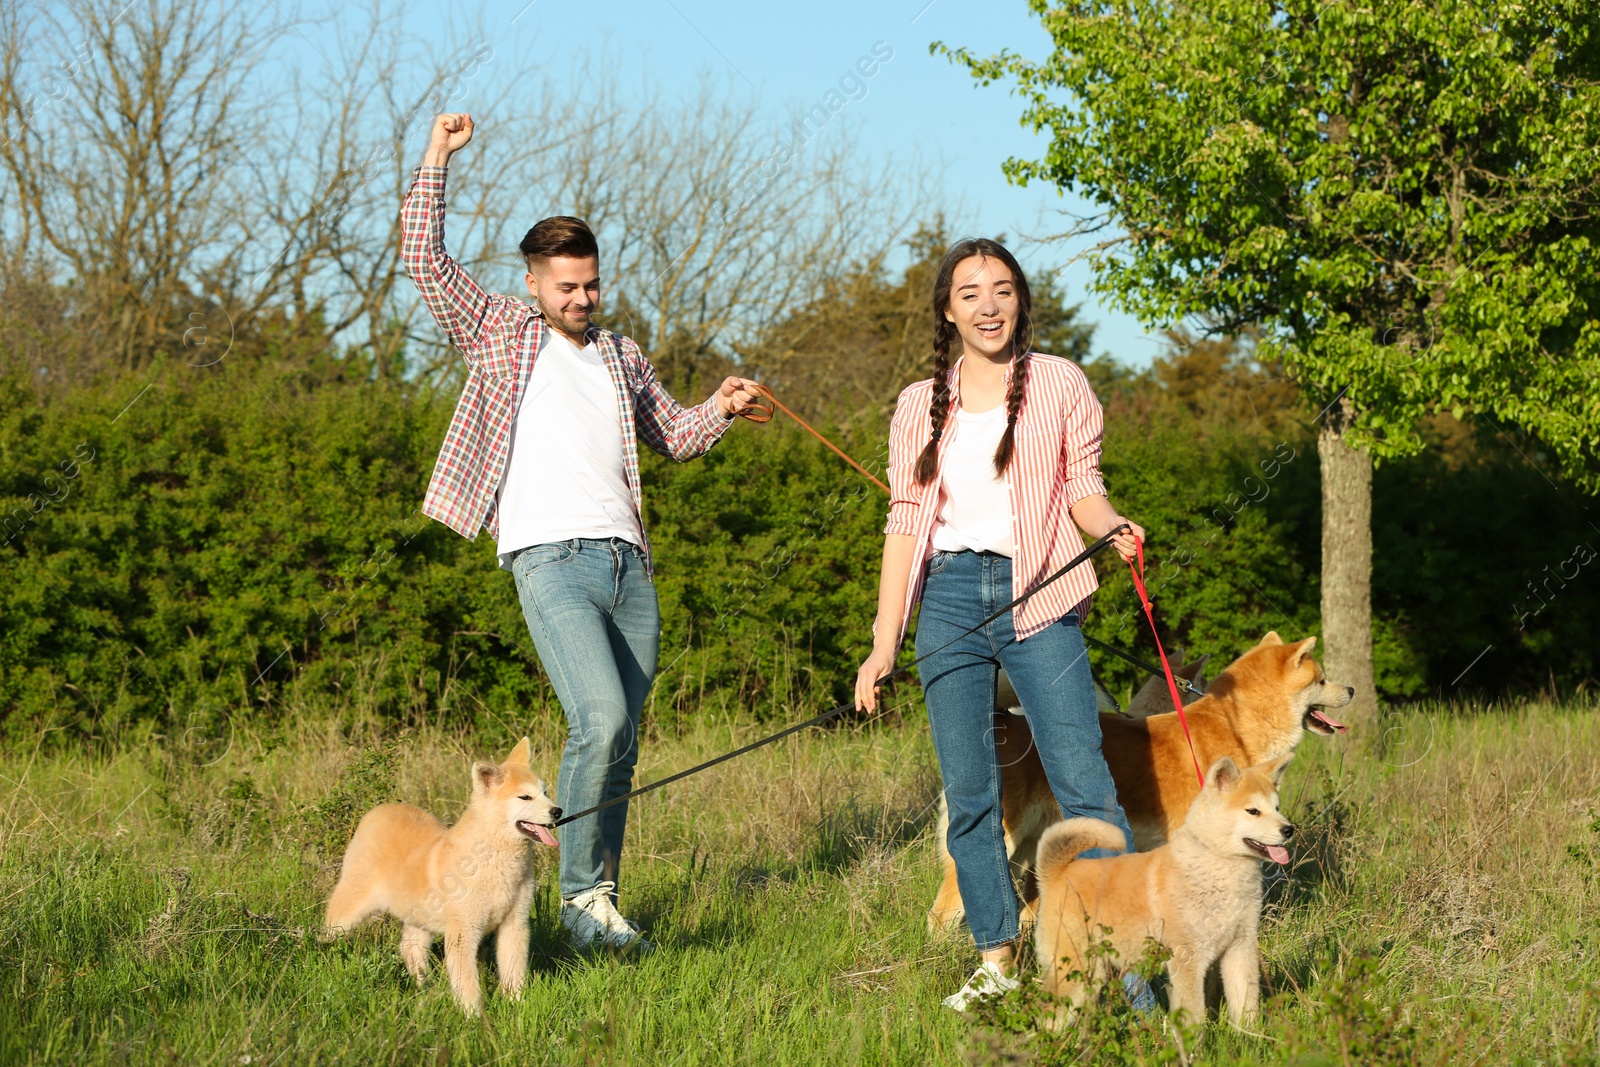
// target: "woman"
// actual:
[[991, 462]]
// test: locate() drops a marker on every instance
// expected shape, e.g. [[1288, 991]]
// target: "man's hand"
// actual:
[[735, 396], [450, 134]]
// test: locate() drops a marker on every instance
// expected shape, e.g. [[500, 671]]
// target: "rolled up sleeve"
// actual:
[[1080, 441], [668, 427]]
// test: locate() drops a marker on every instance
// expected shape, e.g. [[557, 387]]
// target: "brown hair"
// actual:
[[559, 235], [945, 338]]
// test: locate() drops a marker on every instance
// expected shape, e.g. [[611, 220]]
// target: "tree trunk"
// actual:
[[1347, 565]]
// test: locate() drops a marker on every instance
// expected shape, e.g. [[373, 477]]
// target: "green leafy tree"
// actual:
[[1401, 197]]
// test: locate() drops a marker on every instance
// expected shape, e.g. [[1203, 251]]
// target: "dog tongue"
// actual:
[[1322, 717], [547, 838], [1277, 854]]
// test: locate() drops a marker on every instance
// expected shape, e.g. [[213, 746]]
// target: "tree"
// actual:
[[163, 181], [162, 184], [1402, 197], [712, 237]]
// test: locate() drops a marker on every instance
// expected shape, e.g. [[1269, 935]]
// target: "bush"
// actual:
[[240, 533], [200, 541]]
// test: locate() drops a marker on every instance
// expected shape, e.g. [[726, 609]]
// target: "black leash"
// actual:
[[1187, 686], [834, 713]]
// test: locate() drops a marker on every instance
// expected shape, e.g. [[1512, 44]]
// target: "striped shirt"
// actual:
[[499, 337], [1055, 464]]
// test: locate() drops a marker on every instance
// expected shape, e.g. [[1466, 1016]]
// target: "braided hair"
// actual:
[[946, 337]]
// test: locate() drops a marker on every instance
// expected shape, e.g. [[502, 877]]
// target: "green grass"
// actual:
[[159, 897]]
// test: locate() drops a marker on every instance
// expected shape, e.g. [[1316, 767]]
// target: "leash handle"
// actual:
[[1172, 685]]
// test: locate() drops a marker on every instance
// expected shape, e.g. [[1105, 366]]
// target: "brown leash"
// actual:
[[760, 411]]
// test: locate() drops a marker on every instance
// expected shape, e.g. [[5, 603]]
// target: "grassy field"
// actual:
[[159, 898]]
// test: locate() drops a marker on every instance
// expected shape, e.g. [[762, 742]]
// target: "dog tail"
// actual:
[[1070, 838]]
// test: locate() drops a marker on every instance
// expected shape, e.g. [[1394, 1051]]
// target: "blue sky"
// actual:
[[785, 57]]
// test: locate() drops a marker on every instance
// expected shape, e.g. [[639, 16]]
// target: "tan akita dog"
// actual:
[[463, 882], [1199, 894], [1257, 709]]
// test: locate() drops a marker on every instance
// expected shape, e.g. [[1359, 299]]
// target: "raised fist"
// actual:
[[451, 132]]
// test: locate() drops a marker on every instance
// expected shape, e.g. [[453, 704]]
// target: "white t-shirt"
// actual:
[[565, 475], [974, 505]]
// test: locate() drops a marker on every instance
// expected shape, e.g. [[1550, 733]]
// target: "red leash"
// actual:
[[1172, 683]]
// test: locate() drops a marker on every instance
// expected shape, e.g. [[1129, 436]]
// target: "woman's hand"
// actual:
[[1125, 542], [1096, 517], [879, 664]]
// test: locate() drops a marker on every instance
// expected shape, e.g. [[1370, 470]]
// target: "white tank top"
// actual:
[[565, 475], [974, 505]]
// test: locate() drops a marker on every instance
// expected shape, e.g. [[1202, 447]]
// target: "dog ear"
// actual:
[[1271, 638], [1276, 768], [1223, 775], [485, 776], [1301, 651], [519, 755]]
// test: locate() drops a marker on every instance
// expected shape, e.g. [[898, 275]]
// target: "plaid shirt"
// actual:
[[499, 336], [1056, 464]]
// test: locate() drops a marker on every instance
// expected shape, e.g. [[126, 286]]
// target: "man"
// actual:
[[542, 452]]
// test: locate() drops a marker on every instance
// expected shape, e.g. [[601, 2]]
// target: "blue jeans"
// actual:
[[1050, 672], [592, 611]]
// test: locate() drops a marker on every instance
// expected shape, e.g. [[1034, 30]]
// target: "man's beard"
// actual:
[[573, 327]]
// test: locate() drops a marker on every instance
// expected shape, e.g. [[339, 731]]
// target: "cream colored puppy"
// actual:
[[463, 882], [1199, 894]]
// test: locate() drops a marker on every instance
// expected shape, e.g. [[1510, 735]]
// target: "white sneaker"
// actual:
[[987, 981], [590, 917]]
